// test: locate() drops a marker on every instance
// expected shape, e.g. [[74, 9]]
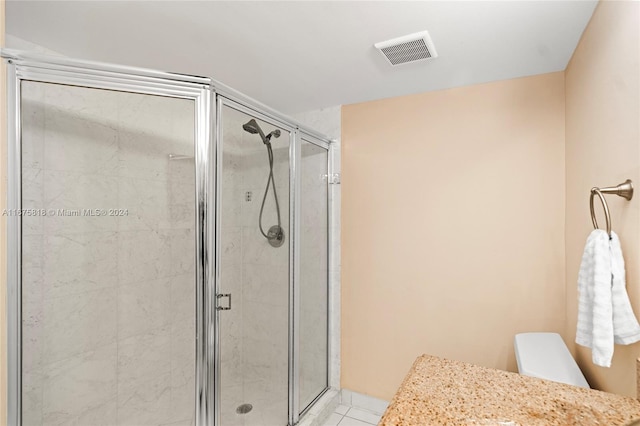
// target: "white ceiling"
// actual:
[[302, 55]]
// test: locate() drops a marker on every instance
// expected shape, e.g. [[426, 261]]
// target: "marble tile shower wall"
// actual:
[[254, 335], [108, 302]]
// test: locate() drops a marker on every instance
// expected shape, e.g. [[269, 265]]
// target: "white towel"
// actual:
[[605, 315]]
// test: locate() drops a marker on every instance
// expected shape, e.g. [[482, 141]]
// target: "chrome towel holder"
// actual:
[[624, 190]]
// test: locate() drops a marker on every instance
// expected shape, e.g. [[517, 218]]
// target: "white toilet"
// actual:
[[545, 356]]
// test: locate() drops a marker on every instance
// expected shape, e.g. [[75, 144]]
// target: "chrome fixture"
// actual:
[[275, 234], [624, 190]]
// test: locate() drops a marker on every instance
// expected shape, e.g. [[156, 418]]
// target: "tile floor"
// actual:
[[345, 415]]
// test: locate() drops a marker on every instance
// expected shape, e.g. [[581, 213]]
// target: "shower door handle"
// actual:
[[223, 308]]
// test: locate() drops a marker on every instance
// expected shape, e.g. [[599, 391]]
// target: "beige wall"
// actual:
[[453, 227], [603, 148]]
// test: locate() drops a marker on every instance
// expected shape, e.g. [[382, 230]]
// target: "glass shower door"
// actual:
[[108, 257], [253, 338], [313, 274]]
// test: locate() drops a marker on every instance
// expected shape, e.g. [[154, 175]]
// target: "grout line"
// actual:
[[343, 416]]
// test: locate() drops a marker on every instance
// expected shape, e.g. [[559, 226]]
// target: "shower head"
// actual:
[[253, 127]]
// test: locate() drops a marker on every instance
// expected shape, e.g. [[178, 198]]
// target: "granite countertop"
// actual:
[[443, 392]]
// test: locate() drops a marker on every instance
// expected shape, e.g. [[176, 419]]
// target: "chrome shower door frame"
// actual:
[[238, 103], [46, 69], [303, 136], [298, 135]]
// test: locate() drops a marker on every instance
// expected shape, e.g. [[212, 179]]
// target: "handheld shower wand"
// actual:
[[252, 127], [275, 234]]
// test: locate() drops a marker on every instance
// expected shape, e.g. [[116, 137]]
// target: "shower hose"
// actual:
[[270, 181]]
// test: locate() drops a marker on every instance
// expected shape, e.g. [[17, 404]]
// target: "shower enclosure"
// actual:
[[167, 251]]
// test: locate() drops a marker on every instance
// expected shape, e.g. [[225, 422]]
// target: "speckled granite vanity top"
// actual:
[[442, 392]]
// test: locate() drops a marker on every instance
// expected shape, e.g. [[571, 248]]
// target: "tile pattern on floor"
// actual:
[[345, 415]]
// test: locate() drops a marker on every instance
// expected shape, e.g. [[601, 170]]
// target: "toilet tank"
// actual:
[[545, 356]]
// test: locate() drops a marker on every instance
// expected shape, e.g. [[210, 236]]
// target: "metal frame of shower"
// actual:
[[297, 136], [209, 96]]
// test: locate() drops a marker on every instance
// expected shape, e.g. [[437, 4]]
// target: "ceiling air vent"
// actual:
[[409, 48]]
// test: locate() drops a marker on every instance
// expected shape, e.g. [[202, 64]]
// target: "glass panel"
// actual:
[[313, 272], [254, 333], [108, 270]]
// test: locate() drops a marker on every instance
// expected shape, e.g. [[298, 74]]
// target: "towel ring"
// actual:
[[624, 190], [607, 217]]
